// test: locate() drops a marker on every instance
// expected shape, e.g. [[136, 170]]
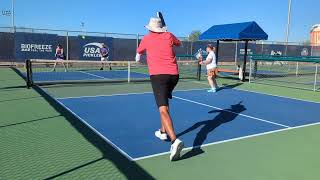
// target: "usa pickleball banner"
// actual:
[[89, 47]]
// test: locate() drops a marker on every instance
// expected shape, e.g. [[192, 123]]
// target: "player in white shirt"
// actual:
[[211, 64]]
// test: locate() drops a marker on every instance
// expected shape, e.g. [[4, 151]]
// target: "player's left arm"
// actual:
[[141, 49]]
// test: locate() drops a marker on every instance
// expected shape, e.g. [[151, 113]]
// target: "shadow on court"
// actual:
[[30, 121], [207, 126], [231, 86], [13, 87], [18, 99], [128, 168]]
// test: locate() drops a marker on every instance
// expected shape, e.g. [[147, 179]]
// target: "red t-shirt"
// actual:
[[161, 57]]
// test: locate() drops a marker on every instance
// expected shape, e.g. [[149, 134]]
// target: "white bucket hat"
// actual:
[[155, 25]]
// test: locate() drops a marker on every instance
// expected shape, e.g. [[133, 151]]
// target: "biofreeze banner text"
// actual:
[[35, 46]]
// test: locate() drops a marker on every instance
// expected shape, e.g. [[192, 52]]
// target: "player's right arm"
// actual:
[[208, 60], [176, 41]]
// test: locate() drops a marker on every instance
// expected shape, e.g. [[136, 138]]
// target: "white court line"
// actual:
[[97, 132], [279, 96], [92, 74], [88, 125], [124, 94], [230, 140], [265, 94], [251, 117]]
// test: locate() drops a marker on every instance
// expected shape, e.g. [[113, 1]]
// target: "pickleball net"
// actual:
[[287, 71], [50, 72]]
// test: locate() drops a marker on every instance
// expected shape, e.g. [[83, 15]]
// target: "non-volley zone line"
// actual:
[[90, 74], [124, 94], [244, 115]]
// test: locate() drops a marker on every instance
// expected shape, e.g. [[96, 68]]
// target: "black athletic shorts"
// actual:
[[163, 85]]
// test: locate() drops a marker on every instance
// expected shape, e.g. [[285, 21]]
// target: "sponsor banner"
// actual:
[[252, 49], [90, 47], [35, 46], [295, 50]]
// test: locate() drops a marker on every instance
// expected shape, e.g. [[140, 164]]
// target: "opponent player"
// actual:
[[59, 57], [164, 74], [104, 53], [211, 65]]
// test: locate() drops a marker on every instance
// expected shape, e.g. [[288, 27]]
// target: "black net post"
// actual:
[[29, 74], [245, 60], [199, 72]]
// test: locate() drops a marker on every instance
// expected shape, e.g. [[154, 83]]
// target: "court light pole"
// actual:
[[12, 14], [288, 26]]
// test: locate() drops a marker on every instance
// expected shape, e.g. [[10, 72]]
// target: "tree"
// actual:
[[194, 35]]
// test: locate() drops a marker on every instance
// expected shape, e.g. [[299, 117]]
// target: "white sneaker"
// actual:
[[176, 149], [162, 136]]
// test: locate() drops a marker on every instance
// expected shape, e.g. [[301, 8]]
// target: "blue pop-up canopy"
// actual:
[[235, 32], [247, 31]]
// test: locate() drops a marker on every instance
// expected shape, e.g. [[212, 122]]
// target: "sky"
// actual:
[[182, 16]]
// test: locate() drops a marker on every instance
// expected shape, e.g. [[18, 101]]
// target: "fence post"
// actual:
[[236, 54], [315, 78], [250, 71], [129, 72], [137, 41], [67, 46]]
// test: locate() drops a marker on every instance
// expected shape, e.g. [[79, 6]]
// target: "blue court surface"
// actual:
[[86, 75], [128, 121]]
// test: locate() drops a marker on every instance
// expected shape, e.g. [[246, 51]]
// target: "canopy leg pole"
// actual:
[[245, 61], [217, 51]]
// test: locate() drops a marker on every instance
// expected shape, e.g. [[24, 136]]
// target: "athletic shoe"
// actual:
[[101, 69], [176, 149], [110, 68], [160, 135], [212, 90]]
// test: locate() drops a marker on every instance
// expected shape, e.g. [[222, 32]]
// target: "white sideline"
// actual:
[[97, 132], [230, 140]]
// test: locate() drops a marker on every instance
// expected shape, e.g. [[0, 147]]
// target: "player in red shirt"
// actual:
[[164, 76]]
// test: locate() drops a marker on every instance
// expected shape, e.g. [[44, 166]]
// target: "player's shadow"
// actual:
[[207, 126]]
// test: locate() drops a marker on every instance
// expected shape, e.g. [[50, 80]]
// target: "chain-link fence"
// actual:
[[124, 45]]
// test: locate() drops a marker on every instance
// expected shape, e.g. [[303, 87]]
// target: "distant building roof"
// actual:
[[315, 27]]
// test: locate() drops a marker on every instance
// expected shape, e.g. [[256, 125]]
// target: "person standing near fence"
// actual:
[[164, 75], [59, 57]]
